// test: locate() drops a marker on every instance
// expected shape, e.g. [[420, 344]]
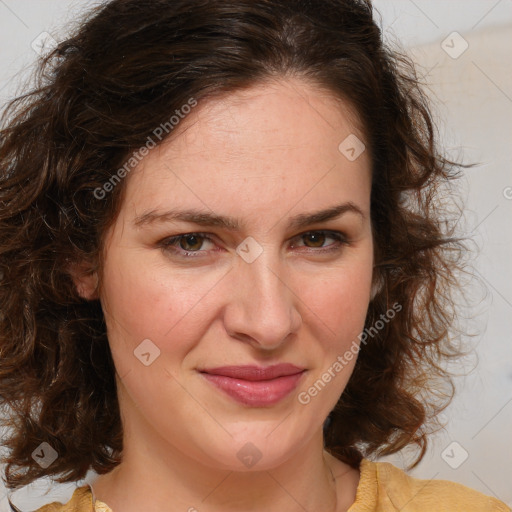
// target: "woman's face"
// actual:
[[263, 284]]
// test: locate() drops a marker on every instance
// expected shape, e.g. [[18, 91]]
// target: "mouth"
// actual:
[[255, 386]]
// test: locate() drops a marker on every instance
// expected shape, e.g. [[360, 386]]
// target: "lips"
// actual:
[[255, 386]]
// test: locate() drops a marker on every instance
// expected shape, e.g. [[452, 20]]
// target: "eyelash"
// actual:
[[169, 244]]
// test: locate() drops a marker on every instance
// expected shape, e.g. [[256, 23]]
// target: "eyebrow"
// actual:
[[207, 219]]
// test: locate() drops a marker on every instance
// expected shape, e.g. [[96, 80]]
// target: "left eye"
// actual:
[[190, 244], [318, 238]]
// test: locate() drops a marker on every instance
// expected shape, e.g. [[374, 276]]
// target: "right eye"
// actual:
[[186, 245]]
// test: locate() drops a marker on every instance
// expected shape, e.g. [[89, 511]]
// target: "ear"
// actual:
[[85, 279]]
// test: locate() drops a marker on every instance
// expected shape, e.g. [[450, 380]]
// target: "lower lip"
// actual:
[[256, 393]]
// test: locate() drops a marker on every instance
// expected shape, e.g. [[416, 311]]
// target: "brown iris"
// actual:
[[191, 240], [318, 239]]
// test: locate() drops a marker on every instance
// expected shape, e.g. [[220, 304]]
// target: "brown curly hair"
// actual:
[[99, 93]]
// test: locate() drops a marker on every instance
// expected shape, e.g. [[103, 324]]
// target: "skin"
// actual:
[[262, 155]]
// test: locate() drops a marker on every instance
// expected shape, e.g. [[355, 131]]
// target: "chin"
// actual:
[[253, 449]]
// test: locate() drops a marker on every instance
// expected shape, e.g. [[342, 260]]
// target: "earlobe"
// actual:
[[85, 280]]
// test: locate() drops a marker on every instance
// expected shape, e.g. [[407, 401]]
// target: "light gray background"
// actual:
[[473, 95]]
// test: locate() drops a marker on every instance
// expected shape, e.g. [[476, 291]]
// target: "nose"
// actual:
[[263, 308]]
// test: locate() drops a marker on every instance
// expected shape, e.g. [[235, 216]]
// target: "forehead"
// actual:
[[277, 113], [271, 145]]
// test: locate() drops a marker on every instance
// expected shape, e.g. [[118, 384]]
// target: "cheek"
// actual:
[[144, 300], [338, 307], [340, 302]]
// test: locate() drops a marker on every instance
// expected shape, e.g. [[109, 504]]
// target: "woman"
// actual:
[[226, 285]]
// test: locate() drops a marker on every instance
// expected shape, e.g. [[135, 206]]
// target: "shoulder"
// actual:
[[81, 501], [386, 488]]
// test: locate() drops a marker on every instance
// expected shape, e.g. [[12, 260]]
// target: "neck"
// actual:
[[156, 475]]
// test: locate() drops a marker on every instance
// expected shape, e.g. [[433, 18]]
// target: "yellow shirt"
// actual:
[[382, 488]]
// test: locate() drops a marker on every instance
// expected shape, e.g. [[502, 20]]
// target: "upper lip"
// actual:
[[255, 373]]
